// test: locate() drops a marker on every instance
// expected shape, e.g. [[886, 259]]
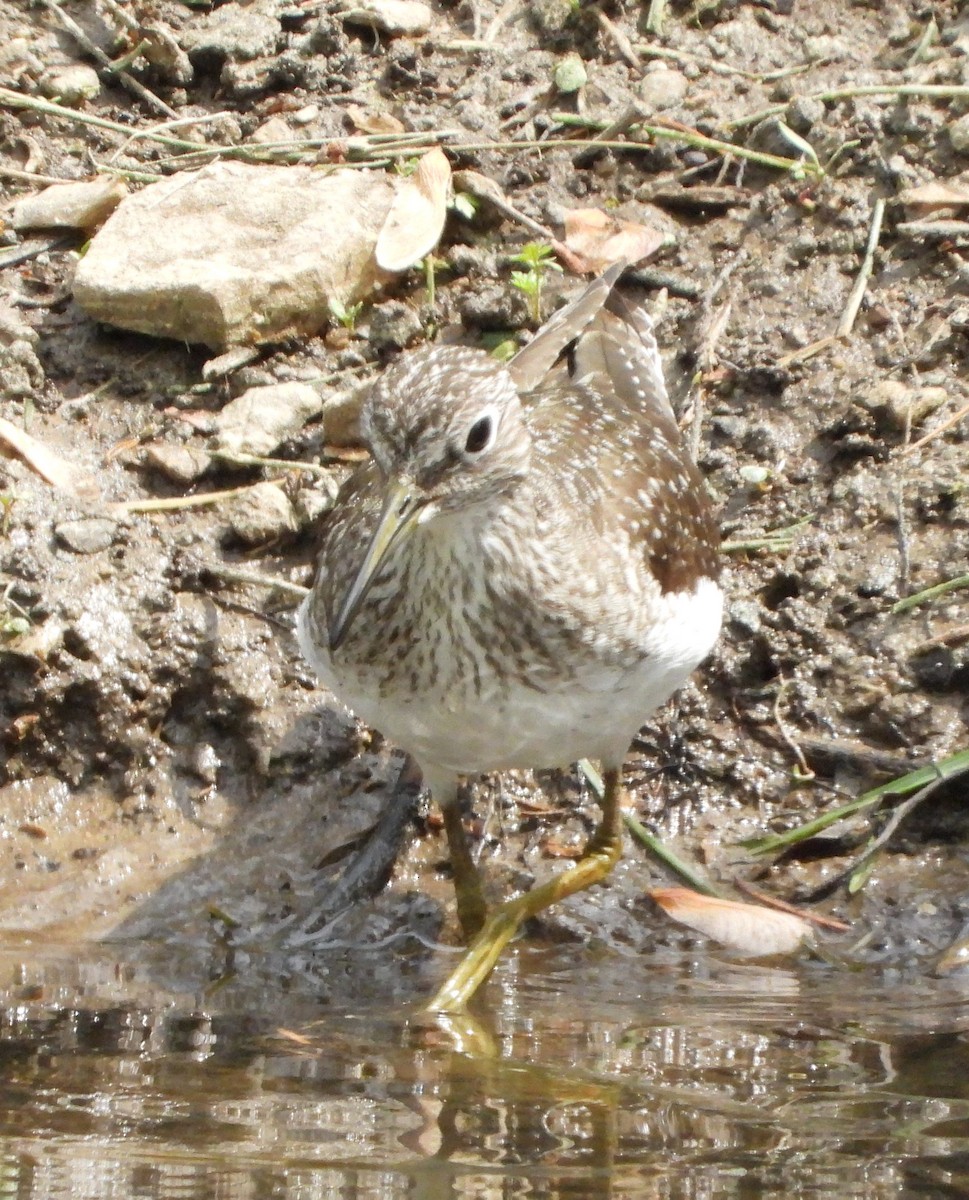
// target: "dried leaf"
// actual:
[[49, 466], [747, 928], [416, 219], [600, 240], [374, 122]]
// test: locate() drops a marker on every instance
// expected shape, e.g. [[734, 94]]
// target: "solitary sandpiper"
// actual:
[[527, 567]]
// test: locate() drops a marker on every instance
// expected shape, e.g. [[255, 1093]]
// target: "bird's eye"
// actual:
[[479, 435]]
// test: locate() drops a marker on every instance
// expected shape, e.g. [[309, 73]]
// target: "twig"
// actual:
[[174, 503], [655, 17], [949, 768], [30, 177], [805, 772], [929, 594], [233, 575], [238, 459], [924, 91], [719, 68], [847, 322], [126, 80], [619, 40], [858, 872], [782, 906], [181, 123], [934, 433]]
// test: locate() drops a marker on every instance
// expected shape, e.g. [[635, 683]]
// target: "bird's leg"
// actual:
[[472, 909], [600, 856]]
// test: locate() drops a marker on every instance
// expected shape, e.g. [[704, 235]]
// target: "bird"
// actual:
[[526, 568]]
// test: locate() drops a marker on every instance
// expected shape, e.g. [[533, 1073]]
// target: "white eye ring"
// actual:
[[480, 434]]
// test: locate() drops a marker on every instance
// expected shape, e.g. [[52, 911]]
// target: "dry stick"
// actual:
[[35, 104], [847, 322], [934, 433], [167, 125], [805, 914], [620, 41], [924, 91], [126, 80], [30, 177], [719, 68], [239, 459], [175, 503], [232, 575], [805, 771]]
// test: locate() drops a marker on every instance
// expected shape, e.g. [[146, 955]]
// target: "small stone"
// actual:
[[316, 501], [570, 74], [959, 134], [395, 18], [263, 417], [803, 113], [180, 464], [260, 514], [901, 404], [71, 84], [341, 416], [88, 535], [662, 88], [745, 615], [234, 31], [70, 205], [276, 129], [394, 325]]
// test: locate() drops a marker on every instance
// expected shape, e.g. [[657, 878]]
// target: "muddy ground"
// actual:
[[168, 767]]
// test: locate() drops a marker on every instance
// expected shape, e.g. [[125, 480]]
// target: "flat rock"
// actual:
[[396, 18], [263, 417], [70, 205], [260, 514], [88, 535], [235, 253], [235, 31], [182, 464]]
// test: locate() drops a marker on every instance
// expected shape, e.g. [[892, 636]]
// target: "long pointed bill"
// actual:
[[398, 518]]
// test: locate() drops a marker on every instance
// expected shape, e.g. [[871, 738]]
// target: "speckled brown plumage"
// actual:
[[529, 565]]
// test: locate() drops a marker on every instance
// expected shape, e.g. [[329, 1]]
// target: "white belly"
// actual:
[[508, 724]]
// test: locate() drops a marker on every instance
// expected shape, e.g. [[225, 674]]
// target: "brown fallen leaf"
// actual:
[[374, 122], [747, 928], [58, 472], [415, 222], [599, 240]]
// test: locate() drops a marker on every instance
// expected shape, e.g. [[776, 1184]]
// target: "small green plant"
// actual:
[[345, 314], [537, 258]]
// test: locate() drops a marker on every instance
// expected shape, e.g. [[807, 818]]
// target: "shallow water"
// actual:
[[584, 1075]]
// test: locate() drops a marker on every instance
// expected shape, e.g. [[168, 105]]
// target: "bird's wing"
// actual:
[[619, 355], [532, 363]]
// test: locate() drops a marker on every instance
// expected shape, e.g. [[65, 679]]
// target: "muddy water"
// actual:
[[122, 1074]]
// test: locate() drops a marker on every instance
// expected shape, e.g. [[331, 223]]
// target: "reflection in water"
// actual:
[[683, 1077]]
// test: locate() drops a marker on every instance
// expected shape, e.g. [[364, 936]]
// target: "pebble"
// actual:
[[233, 31], [88, 535], [395, 18], [85, 205], [902, 403], [71, 84], [181, 464], [662, 88], [958, 133], [260, 514], [394, 325], [262, 418]]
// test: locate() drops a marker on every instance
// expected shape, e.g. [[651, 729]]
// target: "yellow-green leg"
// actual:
[[472, 908], [501, 925]]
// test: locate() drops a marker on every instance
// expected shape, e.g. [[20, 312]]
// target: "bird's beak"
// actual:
[[399, 517]]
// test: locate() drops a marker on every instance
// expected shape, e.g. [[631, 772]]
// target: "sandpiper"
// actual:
[[525, 570]]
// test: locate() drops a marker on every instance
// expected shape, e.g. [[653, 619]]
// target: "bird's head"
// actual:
[[445, 428]]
